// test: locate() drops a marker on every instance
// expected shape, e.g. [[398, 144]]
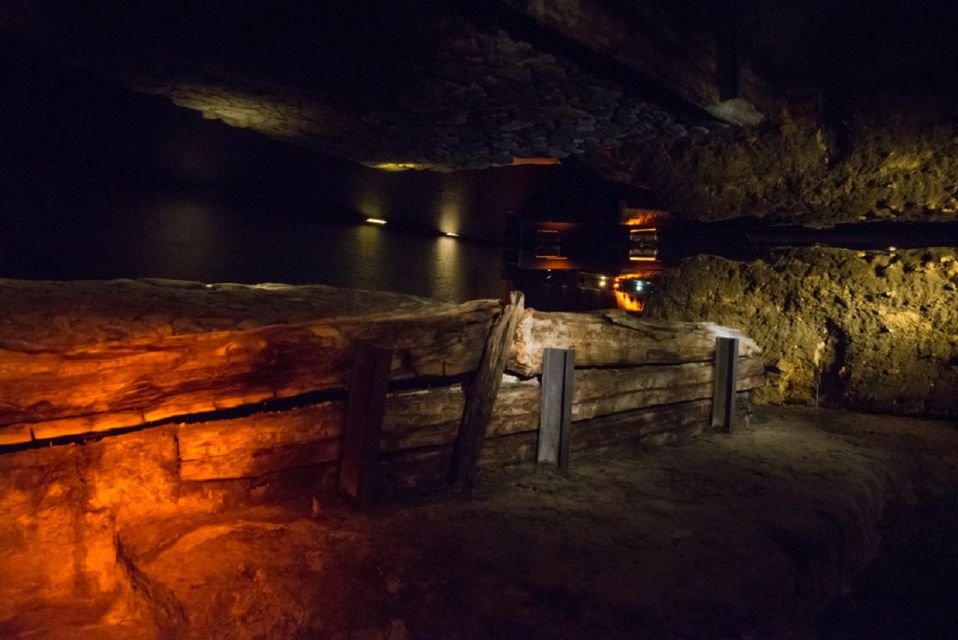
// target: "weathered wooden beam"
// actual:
[[724, 383], [365, 408], [423, 469], [555, 407], [481, 394], [615, 339], [603, 391], [122, 384], [422, 418], [266, 442], [671, 421], [256, 445]]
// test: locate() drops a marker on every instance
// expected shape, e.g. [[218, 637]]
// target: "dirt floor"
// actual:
[[749, 535]]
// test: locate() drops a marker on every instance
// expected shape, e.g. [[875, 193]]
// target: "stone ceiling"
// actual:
[[637, 90]]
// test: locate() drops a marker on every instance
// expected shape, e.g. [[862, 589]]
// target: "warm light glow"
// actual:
[[551, 257], [450, 234], [628, 301], [643, 230], [640, 217], [642, 258], [536, 160], [398, 166], [375, 221]]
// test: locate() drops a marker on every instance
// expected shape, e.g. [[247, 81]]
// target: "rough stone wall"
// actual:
[[870, 331], [881, 158]]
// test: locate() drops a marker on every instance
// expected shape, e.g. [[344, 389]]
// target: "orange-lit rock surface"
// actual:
[[749, 533]]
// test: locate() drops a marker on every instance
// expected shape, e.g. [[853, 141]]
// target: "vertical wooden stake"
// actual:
[[555, 406], [726, 379], [481, 394], [365, 408]]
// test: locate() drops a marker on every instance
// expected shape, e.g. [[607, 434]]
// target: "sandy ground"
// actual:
[[749, 535]]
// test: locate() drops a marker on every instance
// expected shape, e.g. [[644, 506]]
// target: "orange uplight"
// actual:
[[642, 258], [535, 160], [633, 217], [627, 301]]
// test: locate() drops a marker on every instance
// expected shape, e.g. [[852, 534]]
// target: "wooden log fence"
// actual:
[[469, 399]]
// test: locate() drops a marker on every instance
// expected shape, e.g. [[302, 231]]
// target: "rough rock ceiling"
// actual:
[[397, 82], [638, 89]]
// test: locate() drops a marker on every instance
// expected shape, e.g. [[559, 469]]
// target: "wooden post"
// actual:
[[555, 408], [481, 393], [726, 379], [365, 408]]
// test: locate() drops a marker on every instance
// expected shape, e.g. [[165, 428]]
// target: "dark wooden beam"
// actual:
[[365, 409], [481, 393]]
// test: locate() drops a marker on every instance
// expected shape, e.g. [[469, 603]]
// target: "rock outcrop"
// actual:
[[874, 331]]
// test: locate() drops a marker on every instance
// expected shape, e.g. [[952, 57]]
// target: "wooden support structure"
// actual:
[[555, 409], [615, 339], [725, 382], [56, 392], [481, 393], [365, 409]]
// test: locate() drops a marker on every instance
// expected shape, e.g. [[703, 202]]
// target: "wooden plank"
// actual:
[[516, 409], [643, 424], [365, 409], [615, 339], [122, 384], [266, 442], [604, 391], [256, 445], [481, 392], [555, 409], [724, 383], [422, 418]]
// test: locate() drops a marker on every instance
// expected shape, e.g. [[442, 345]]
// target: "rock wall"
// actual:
[[878, 159], [870, 331]]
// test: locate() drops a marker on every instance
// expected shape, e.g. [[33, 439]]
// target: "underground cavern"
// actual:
[[478, 319]]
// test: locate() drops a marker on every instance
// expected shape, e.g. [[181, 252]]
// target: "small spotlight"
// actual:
[[450, 234], [375, 221], [892, 249]]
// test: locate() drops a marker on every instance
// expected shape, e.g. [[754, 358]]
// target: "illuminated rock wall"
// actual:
[[887, 159], [873, 331]]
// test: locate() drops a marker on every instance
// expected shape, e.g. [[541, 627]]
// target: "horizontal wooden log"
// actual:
[[427, 469], [616, 339], [66, 315], [262, 443], [266, 442], [634, 426], [115, 385], [422, 418], [600, 392], [423, 469]]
